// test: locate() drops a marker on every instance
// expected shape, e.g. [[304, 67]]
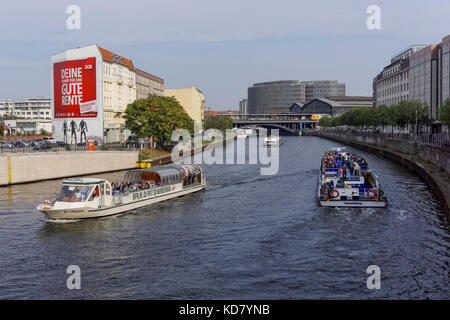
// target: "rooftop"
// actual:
[[113, 57]]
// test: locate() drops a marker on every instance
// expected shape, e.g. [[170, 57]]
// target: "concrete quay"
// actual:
[[31, 167]]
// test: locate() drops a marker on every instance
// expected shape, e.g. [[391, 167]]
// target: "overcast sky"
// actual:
[[221, 47]]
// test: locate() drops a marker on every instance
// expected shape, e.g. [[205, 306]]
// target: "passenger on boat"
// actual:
[[344, 171], [356, 169]]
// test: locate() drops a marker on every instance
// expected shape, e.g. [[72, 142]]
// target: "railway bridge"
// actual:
[[287, 123]]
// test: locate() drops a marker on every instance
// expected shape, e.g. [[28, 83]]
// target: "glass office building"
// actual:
[[278, 96]]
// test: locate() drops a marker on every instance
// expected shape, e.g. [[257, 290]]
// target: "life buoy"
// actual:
[[371, 193], [334, 193]]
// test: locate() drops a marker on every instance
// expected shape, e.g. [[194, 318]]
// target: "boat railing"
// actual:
[[127, 191]]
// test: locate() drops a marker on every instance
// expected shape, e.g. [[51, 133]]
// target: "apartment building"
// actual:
[[92, 87], [147, 83], [29, 109], [192, 100], [418, 73]]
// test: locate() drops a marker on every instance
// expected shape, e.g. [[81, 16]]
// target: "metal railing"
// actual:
[[71, 148], [438, 140]]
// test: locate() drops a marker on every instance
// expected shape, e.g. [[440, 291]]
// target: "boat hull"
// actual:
[[352, 204], [89, 213]]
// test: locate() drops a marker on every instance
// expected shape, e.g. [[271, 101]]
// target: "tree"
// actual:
[[444, 113], [218, 122], [158, 117]]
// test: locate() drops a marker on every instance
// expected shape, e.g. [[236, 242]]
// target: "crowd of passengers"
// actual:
[[342, 161], [129, 186]]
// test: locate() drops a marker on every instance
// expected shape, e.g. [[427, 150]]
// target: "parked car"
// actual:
[[19, 144], [42, 145], [132, 141], [7, 144], [60, 144]]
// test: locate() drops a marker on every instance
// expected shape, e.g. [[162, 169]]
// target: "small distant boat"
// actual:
[[93, 197], [358, 190], [243, 133], [272, 141]]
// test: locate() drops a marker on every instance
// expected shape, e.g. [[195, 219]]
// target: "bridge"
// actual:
[[288, 123]]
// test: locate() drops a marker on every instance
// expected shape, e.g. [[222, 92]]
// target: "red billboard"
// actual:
[[74, 89]]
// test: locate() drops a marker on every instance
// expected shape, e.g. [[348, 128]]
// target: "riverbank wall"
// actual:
[[194, 150], [32, 167], [431, 164], [23, 168]]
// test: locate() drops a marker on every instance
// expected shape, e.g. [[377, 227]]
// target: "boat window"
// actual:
[[74, 193], [94, 194], [108, 190]]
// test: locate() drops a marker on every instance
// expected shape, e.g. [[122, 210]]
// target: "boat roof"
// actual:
[[83, 181], [340, 149]]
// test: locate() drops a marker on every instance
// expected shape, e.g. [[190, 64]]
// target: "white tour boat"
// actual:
[[356, 187], [93, 198], [274, 141], [243, 133]]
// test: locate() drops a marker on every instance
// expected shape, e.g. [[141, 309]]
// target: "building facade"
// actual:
[[278, 96], [419, 73], [192, 100], [91, 88], [147, 83], [423, 78], [392, 85], [444, 72], [274, 96], [335, 106], [29, 109], [243, 106], [119, 89], [322, 89]]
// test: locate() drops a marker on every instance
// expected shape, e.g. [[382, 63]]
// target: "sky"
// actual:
[[220, 47]]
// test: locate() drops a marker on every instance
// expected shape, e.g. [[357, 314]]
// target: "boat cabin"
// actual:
[[95, 192], [185, 174]]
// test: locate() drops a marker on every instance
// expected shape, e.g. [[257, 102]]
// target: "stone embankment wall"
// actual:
[[21, 168]]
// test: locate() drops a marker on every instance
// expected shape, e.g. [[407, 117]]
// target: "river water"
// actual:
[[246, 236]]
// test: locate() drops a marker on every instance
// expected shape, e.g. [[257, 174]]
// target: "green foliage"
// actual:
[[444, 113], [44, 132], [218, 122], [68, 147], [401, 114], [104, 147], [157, 116]]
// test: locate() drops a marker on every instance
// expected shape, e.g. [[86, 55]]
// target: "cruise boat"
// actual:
[[274, 141], [342, 187], [93, 197]]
